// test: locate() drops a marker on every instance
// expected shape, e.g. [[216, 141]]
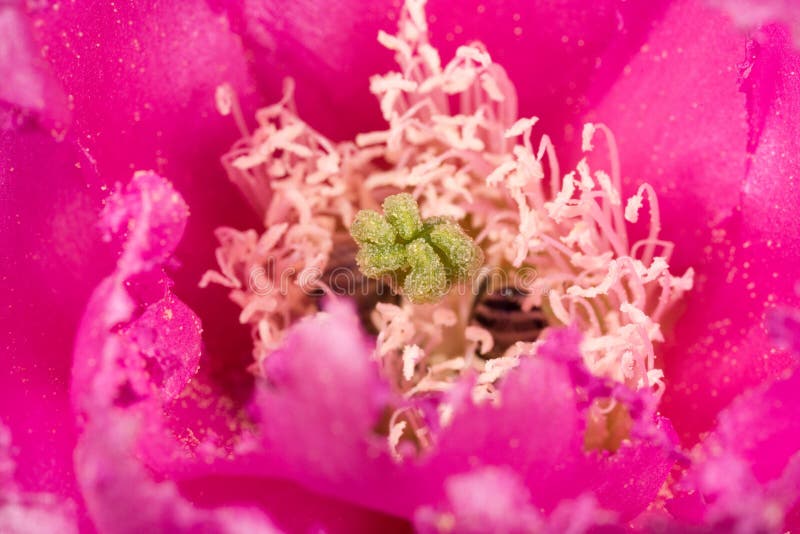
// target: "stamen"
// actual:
[[454, 163], [228, 104]]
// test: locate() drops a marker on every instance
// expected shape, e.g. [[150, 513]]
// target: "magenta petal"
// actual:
[[686, 116], [750, 14], [291, 508], [679, 119], [141, 78], [137, 350], [770, 202], [136, 339], [139, 346], [722, 345], [28, 512], [494, 499], [51, 256], [748, 470], [488, 499], [784, 327], [26, 84], [554, 52], [323, 399], [122, 497], [538, 431], [318, 436]]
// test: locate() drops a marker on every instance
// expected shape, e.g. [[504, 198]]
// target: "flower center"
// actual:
[[454, 155], [424, 256]]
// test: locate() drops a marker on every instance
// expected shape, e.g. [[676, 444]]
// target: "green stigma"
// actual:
[[424, 257]]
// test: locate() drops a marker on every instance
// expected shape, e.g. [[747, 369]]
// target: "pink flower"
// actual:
[[131, 398]]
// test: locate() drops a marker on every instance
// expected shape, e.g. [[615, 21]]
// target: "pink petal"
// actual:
[[751, 263], [750, 14], [539, 429], [686, 114], [51, 258], [137, 350], [136, 339], [122, 497], [292, 508], [784, 326], [141, 79], [28, 512], [494, 499], [748, 470], [324, 399], [679, 119], [319, 436], [26, 84], [138, 346], [554, 52], [488, 499]]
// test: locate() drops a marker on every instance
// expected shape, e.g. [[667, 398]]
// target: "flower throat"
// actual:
[[454, 181]]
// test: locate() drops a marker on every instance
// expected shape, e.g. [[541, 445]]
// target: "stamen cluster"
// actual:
[[455, 148]]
